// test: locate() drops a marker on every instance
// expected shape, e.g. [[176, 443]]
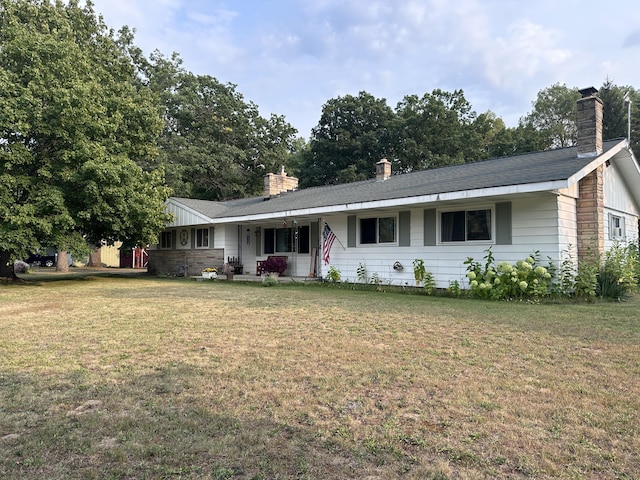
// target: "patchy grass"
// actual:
[[110, 377]]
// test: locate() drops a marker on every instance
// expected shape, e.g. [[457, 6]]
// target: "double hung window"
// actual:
[[466, 225], [377, 230]]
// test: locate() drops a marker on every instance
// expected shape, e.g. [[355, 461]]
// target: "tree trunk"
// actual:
[[62, 262], [6, 267], [95, 257]]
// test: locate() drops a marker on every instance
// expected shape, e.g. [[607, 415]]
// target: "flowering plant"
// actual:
[[210, 270], [525, 279]]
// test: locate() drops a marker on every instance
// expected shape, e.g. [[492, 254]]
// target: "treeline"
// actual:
[[216, 146], [440, 128]]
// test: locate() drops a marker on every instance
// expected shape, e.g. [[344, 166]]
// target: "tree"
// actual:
[[614, 110], [214, 145], [554, 116], [75, 122], [354, 132]]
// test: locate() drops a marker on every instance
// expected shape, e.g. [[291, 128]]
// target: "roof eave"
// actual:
[[402, 202]]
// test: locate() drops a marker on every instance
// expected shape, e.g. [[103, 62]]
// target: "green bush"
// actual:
[[618, 276], [504, 281], [333, 275]]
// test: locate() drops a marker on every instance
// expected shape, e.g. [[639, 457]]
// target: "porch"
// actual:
[[255, 278]]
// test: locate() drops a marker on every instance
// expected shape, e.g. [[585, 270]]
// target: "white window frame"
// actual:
[[492, 229], [617, 229], [199, 237], [377, 218]]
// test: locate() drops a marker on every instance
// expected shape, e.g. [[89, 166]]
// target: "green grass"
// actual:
[[117, 377]]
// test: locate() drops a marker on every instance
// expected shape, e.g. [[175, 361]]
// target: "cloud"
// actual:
[[632, 40]]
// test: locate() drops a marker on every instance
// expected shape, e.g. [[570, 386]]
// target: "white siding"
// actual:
[[183, 217], [535, 226], [619, 202], [616, 192]]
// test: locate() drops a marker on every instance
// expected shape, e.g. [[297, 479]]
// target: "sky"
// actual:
[[289, 57]]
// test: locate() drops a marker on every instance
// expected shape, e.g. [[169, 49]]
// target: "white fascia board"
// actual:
[[597, 161], [403, 202]]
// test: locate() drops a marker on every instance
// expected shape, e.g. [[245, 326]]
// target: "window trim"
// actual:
[[198, 237], [465, 209], [622, 227], [377, 227]]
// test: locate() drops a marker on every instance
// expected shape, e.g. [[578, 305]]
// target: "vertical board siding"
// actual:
[[617, 195]]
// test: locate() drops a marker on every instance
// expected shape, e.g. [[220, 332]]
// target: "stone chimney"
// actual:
[[590, 202], [383, 170], [276, 183], [589, 123]]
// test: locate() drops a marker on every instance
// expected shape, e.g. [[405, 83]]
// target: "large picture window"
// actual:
[[377, 230], [466, 225], [282, 240]]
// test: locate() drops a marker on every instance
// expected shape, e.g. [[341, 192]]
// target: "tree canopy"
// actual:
[[75, 124], [214, 144], [440, 128]]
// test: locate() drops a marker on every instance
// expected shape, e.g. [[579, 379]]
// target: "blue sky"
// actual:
[[290, 56]]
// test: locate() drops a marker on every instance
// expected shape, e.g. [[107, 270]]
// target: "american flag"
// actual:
[[327, 240]]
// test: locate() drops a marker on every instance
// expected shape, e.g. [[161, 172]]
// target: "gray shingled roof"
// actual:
[[539, 167]]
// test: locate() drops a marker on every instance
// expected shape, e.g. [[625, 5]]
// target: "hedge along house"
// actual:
[[580, 199]]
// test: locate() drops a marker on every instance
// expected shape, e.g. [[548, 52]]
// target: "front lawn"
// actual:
[[123, 377]]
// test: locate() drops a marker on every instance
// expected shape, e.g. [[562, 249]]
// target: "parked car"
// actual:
[[37, 260]]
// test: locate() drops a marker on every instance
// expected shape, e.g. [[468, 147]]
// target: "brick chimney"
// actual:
[[383, 170], [276, 183], [590, 201], [589, 123]]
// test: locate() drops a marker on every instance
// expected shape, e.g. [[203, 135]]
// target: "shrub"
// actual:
[[503, 281], [333, 275], [424, 276], [275, 265], [618, 278], [269, 281]]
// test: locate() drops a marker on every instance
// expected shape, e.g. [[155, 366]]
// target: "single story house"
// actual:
[[580, 199]]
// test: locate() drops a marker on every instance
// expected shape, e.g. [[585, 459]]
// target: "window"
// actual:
[[616, 227], [202, 238], [165, 240], [466, 226], [377, 230], [278, 240], [282, 240]]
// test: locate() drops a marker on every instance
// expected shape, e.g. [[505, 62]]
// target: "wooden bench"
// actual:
[[260, 264]]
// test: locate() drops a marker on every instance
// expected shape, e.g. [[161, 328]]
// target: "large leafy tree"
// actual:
[[440, 128], [354, 132], [75, 125], [214, 144], [554, 116]]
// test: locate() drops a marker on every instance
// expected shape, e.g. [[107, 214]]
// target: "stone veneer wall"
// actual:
[[187, 262], [590, 214]]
